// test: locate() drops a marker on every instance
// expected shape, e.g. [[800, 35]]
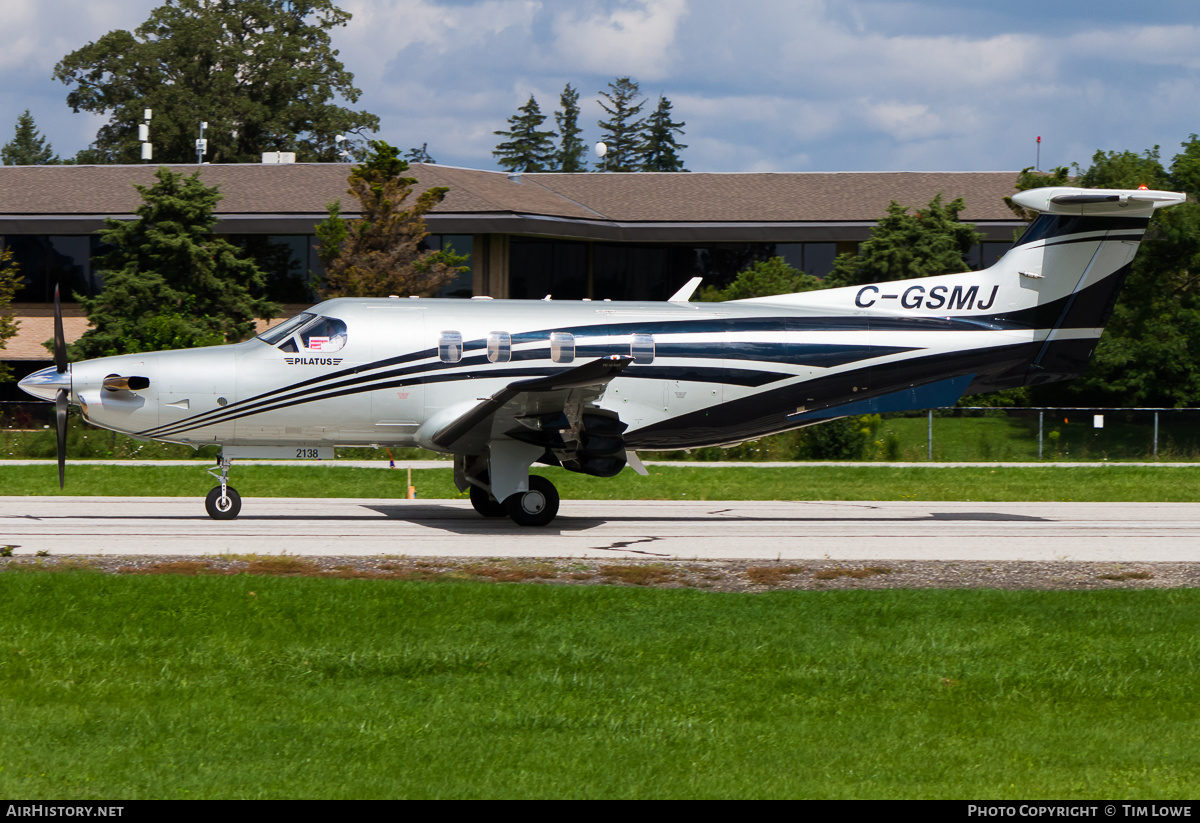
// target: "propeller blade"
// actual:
[[60, 339], [60, 424]]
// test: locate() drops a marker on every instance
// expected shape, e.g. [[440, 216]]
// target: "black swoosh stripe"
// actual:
[[741, 377]]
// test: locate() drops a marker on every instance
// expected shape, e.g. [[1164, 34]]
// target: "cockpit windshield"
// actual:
[[307, 332]]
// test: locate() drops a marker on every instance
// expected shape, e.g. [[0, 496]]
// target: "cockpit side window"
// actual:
[[308, 332], [326, 334], [285, 329]]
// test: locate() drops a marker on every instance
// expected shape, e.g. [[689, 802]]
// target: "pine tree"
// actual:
[[170, 283], [27, 148], [421, 155], [527, 148], [571, 156], [659, 151], [379, 254], [622, 133]]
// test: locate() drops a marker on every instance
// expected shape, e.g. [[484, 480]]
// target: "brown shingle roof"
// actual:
[[839, 196], [305, 188]]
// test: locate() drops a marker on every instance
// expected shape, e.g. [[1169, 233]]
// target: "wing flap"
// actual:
[[590, 378]]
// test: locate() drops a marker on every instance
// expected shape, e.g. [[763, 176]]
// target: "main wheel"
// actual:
[[223, 508], [483, 503], [536, 507]]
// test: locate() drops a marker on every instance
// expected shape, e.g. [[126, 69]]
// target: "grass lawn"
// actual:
[[250, 686], [1049, 483]]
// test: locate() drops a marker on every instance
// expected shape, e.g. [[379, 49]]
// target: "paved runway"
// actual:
[[1147, 532]]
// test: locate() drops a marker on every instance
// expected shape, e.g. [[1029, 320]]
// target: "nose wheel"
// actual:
[[223, 503]]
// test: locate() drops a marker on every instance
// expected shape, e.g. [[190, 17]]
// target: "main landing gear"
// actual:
[[537, 505], [223, 502]]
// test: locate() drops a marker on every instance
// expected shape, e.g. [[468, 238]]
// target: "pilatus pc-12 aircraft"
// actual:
[[504, 384]]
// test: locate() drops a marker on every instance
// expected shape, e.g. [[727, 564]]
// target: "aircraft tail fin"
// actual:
[[1075, 257], [1048, 297]]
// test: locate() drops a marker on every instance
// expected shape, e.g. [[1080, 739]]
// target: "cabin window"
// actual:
[[450, 346], [642, 348], [499, 346], [562, 347]]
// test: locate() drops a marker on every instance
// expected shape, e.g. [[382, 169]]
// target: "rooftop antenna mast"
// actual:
[[201, 143], [144, 136]]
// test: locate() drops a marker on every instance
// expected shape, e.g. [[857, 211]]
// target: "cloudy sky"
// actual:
[[763, 85]]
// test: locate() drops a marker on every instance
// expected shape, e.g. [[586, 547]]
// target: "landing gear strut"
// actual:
[[223, 502], [484, 503]]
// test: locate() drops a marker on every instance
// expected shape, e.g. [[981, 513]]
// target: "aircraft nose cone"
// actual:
[[46, 383]]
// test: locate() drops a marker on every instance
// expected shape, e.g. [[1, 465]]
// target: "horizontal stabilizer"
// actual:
[[1067, 200]]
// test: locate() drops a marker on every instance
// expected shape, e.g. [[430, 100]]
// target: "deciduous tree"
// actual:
[[169, 283], [1149, 354], [1031, 179], [261, 73], [764, 278], [904, 245], [379, 253]]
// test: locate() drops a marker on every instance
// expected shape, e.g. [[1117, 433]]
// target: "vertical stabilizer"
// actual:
[[1075, 256]]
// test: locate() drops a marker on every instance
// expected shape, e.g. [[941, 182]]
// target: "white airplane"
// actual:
[[504, 384]]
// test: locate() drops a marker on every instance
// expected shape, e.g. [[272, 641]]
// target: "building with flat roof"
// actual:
[[619, 236]]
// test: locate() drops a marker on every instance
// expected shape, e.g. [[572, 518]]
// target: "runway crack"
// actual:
[[623, 545]]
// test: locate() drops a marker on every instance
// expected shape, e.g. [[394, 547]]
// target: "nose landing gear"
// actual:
[[223, 502]]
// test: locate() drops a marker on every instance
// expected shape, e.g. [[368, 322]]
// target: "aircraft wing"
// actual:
[[540, 396]]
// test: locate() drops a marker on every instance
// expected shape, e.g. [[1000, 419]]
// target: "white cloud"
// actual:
[[763, 85], [636, 40]]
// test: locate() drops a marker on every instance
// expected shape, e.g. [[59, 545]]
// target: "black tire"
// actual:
[[536, 507], [485, 504], [223, 509]]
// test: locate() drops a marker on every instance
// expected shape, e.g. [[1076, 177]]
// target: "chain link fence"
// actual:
[[1081, 433], [967, 434]]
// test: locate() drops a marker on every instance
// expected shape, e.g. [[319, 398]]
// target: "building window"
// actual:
[[642, 348], [499, 346], [463, 283], [450, 346], [45, 261], [539, 267], [562, 347]]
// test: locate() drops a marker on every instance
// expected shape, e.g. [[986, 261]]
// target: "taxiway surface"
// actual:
[[788, 530]]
